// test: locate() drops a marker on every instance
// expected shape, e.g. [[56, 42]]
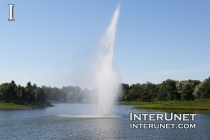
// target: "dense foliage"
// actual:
[[69, 93], [202, 91], [168, 90], [10, 92], [40, 96]]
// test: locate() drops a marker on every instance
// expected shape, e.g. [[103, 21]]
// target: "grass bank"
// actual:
[[13, 106], [7, 106], [202, 104], [131, 103]]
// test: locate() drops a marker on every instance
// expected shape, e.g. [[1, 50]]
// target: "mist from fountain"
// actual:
[[107, 79]]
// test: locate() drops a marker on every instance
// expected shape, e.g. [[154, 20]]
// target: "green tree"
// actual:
[[186, 89], [125, 91], [202, 90], [168, 87], [8, 92], [187, 92], [134, 93], [149, 92], [39, 96]]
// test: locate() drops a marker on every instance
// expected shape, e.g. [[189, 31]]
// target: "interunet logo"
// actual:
[[165, 118]]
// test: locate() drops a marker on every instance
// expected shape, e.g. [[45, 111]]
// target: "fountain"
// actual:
[[107, 79]]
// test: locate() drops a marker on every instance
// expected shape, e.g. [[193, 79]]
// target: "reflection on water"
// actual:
[[58, 123]]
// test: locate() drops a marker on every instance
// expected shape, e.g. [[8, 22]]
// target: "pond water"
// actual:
[[77, 121]]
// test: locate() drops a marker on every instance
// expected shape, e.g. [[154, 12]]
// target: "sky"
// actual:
[[54, 43]]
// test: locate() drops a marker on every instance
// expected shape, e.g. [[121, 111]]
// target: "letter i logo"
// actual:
[[11, 14]]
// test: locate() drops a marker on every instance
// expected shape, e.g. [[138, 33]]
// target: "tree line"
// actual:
[[167, 90], [70, 94], [31, 94], [41, 96]]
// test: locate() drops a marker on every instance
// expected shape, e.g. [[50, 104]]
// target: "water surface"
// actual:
[[58, 123]]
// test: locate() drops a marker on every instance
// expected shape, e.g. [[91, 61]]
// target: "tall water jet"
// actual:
[[107, 79]]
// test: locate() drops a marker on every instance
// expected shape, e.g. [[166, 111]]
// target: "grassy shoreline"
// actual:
[[202, 104], [13, 106], [131, 103]]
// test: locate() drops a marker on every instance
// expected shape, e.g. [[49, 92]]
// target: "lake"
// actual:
[[77, 121]]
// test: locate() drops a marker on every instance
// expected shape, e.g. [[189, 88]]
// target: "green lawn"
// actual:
[[8, 106], [131, 103], [202, 104]]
